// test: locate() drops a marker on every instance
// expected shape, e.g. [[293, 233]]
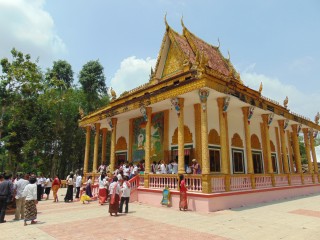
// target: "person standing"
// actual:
[[125, 189], [6, 192], [114, 190], [78, 185], [69, 194], [102, 189], [20, 200], [183, 204], [88, 186], [30, 193], [48, 186], [55, 188]]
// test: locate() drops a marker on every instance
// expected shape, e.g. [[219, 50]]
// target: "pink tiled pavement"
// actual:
[[122, 227], [305, 212]]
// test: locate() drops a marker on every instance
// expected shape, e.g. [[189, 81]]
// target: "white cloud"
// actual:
[[132, 73], [304, 103], [26, 26]]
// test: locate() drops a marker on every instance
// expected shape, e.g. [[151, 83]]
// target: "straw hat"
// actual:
[[193, 160]]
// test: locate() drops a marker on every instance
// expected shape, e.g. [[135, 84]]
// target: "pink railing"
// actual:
[[218, 184], [163, 180], [141, 180], [263, 181], [281, 180], [240, 182], [95, 191], [193, 182], [134, 184], [295, 179], [307, 179]]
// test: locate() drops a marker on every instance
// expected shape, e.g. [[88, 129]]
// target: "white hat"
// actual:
[[193, 160]]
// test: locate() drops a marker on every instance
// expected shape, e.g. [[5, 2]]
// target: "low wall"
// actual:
[[219, 201]]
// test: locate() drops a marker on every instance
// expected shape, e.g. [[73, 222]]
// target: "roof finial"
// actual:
[[228, 55], [219, 43], [182, 24], [260, 88], [165, 21]]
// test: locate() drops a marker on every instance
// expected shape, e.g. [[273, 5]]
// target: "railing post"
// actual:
[[227, 183], [253, 181], [273, 180], [206, 183], [302, 178], [313, 180], [289, 179], [146, 180]]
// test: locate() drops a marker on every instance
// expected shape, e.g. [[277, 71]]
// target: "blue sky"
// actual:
[[274, 42]]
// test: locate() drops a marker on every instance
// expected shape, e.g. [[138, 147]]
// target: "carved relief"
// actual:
[[121, 144], [236, 141], [172, 62], [272, 147], [214, 137], [255, 143], [187, 136]]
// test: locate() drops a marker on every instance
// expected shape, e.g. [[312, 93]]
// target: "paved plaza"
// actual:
[[297, 218]]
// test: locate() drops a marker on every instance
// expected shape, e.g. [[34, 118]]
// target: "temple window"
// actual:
[[257, 162], [121, 157], [237, 159], [215, 162]]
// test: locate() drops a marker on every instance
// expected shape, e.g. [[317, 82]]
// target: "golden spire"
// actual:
[[182, 24], [165, 21], [285, 102], [218, 43], [228, 56], [260, 88]]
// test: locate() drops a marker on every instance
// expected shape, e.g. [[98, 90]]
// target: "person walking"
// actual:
[[114, 190], [125, 189], [30, 193], [55, 188], [88, 186], [6, 192], [20, 199], [183, 203]]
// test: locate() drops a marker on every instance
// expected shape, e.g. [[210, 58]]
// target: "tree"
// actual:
[[20, 86], [61, 71], [93, 84]]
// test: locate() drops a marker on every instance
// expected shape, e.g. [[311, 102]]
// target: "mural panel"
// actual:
[[139, 138]]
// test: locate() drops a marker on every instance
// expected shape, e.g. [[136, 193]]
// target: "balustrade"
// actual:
[[307, 179], [281, 180], [296, 179], [263, 181], [240, 182]]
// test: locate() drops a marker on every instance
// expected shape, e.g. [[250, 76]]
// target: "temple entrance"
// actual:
[[121, 157]]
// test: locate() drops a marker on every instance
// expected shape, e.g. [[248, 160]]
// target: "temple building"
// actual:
[[195, 106]]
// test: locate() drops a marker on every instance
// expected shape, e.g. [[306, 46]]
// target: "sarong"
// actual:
[[102, 195], [88, 190], [55, 189], [30, 212], [69, 195], [114, 207], [183, 200]]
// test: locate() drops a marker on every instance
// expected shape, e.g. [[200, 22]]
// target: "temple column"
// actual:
[[290, 152], [283, 146], [87, 150], [104, 146], [147, 147], [307, 146], [181, 137], [113, 145], [314, 156], [197, 125], [296, 150], [223, 137], [96, 148], [206, 181], [267, 142], [148, 140], [245, 111]]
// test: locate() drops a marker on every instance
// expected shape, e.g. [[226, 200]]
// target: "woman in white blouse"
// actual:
[[30, 192]]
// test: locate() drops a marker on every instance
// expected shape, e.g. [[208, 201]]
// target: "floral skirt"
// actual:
[[30, 212]]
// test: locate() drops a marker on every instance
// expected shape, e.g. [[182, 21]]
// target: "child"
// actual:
[[84, 197]]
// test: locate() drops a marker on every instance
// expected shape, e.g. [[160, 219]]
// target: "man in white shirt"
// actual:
[[20, 199], [125, 194], [78, 185]]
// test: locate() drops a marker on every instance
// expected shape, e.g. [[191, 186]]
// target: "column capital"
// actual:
[[220, 102], [245, 110], [181, 102], [114, 121]]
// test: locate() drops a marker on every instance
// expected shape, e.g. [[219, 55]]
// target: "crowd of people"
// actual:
[[114, 188]]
